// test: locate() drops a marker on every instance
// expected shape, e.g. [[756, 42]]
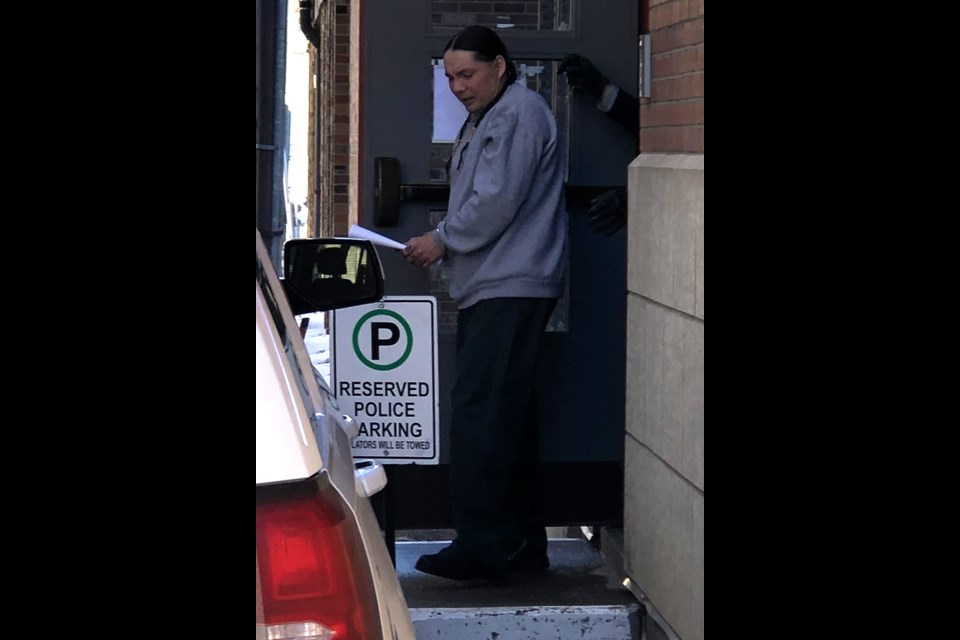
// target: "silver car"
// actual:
[[323, 569]]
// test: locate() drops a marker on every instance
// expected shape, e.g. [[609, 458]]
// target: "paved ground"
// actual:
[[578, 576], [578, 598]]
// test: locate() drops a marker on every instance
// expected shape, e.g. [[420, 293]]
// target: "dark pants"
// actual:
[[495, 434]]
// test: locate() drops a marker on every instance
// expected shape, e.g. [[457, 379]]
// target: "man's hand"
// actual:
[[423, 250], [608, 211], [581, 73]]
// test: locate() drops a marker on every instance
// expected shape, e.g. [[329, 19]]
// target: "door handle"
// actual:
[[389, 193]]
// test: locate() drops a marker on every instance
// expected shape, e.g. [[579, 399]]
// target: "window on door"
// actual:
[[545, 15]]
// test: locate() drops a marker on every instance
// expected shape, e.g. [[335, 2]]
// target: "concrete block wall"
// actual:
[[663, 451]]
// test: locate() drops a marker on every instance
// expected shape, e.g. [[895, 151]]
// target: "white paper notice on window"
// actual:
[[448, 112]]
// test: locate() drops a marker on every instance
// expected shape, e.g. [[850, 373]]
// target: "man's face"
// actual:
[[473, 82]]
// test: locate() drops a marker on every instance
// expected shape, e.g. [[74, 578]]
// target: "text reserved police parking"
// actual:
[[385, 373]]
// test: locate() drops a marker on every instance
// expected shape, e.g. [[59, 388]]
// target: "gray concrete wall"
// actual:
[[663, 497]]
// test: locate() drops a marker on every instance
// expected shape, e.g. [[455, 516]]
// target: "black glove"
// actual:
[[608, 211], [582, 74]]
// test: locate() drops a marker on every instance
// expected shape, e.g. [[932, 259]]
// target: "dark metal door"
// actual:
[[581, 388]]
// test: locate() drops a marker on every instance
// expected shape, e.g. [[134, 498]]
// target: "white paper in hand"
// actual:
[[356, 231]]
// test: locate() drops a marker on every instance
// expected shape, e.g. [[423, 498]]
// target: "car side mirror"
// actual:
[[331, 273]]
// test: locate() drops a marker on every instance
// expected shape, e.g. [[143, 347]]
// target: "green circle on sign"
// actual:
[[356, 342]]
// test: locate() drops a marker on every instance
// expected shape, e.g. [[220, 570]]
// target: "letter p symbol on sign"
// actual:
[[383, 333], [376, 339]]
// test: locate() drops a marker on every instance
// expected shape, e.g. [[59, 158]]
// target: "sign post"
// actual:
[[384, 374]]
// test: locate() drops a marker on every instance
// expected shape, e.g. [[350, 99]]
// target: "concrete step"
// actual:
[[578, 598]]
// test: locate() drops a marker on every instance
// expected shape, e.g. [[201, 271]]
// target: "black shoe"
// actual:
[[453, 563], [529, 559]]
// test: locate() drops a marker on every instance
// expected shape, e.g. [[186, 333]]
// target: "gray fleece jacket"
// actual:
[[505, 230]]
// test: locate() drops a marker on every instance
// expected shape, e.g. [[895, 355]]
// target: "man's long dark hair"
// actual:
[[485, 44]]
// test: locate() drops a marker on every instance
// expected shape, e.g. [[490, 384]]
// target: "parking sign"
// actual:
[[384, 374]]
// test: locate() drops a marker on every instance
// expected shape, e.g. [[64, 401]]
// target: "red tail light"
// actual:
[[314, 575]]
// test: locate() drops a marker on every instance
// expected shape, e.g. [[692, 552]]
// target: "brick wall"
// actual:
[[671, 120], [320, 106], [330, 107], [352, 45], [313, 204], [339, 142]]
